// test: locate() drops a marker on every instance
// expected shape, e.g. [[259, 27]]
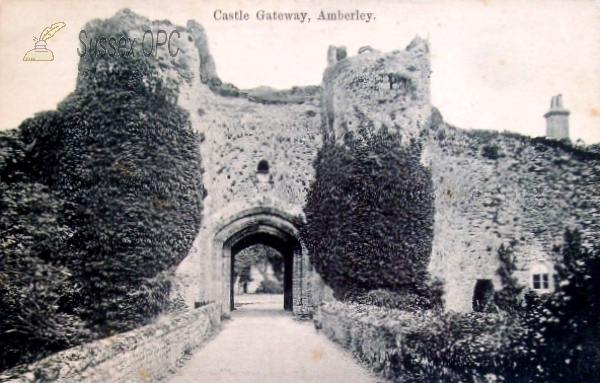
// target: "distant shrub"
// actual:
[[594, 148], [369, 215], [406, 301], [508, 297], [441, 135], [584, 153], [269, 286], [437, 121]]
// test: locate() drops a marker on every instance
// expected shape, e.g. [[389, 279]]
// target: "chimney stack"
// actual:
[[557, 119]]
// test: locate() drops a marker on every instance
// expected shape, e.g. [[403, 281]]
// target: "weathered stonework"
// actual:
[[389, 89], [530, 192], [146, 354], [239, 133]]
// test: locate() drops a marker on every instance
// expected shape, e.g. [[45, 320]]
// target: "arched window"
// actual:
[[263, 166], [540, 277]]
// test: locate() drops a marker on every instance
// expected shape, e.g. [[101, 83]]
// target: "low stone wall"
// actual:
[[146, 354]]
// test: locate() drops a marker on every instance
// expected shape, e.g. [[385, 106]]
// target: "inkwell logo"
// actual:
[[40, 52]]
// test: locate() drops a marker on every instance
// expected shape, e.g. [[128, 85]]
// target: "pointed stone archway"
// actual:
[[271, 227]]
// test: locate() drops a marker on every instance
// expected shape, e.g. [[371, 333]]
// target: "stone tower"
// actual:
[[557, 119], [389, 89]]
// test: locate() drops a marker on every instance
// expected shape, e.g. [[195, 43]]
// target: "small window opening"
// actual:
[[263, 167], [540, 277]]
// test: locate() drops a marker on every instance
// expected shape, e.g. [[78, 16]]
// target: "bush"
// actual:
[[425, 346], [565, 326], [508, 298], [431, 297], [269, 286], [127, 162], [491, 152], [32, 324], [369, 215]]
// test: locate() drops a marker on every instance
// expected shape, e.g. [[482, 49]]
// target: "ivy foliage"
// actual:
[[100, 200], [369, 214], [508, 299]]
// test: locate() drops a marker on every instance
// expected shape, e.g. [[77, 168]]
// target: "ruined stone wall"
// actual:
[[531, 192], [239, 129], [389, 89], [491, 188], [241, 133], [238, 134]]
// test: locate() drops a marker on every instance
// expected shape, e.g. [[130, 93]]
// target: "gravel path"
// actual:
[[262, 343]]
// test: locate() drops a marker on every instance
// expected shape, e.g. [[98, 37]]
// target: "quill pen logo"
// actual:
[[40, 52]]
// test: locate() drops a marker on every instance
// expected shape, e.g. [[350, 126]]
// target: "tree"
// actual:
[[572, 315], [508, 298], [261, 257], [245, 275]]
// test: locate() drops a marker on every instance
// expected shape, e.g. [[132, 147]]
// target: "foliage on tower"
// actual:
[[369, 215]]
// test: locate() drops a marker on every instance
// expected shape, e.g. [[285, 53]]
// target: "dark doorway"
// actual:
[[483, 296], [263, 166], [285, 248]]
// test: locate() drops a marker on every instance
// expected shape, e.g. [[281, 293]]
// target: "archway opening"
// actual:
[[258, 269], [483, 296], [286, 247], [272, 228], [263, 166]]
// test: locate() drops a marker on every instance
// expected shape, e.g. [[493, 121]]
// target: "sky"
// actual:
[[495, 63]]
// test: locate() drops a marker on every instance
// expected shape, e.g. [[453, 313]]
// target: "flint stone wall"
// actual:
[[146, 354], [388, 89], [531, 193], [529, 190]]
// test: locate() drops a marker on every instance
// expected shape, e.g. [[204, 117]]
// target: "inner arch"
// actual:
[[286, 245], [272, 228]]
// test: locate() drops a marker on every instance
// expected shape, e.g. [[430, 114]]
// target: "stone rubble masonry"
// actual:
[[146, 354], [531, 192], [239, 131], [389, 89]]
